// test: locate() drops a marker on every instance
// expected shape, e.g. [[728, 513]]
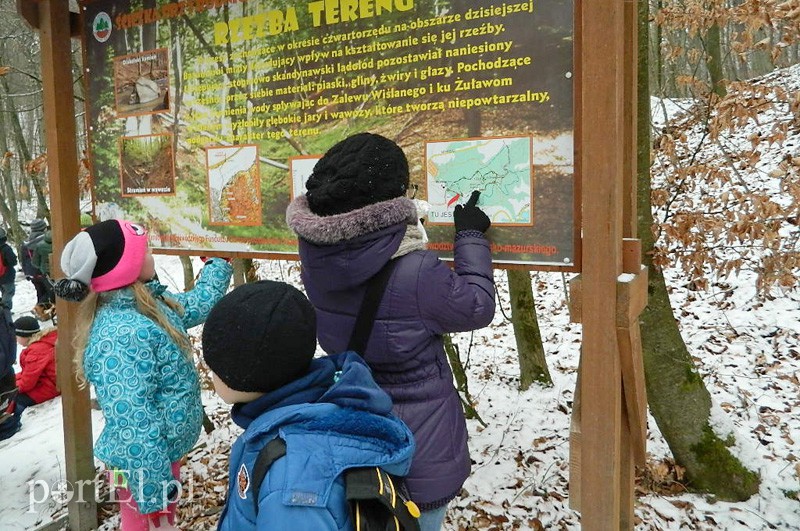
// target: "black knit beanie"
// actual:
[[26, 326], [358, 171], [260, 336]]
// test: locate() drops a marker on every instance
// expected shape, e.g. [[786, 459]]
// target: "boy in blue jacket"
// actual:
[[259, 342]]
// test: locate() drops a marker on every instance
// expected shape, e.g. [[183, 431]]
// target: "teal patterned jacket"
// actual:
[[148, 389]]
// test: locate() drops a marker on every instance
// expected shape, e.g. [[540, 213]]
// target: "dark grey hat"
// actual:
[[360, 170], [260, 336], [38, 225]]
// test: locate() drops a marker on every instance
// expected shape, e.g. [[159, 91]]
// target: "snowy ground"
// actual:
[[748, 354]]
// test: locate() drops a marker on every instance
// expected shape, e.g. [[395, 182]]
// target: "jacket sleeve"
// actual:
[[462, 299], [129, 405], [33, 362], [208, 290]]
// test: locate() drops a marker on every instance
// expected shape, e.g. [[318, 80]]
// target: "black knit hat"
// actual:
[[358, 171], [26, 326], [260, 336]]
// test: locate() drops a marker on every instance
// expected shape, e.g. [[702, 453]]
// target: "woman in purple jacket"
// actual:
[[354, 219]]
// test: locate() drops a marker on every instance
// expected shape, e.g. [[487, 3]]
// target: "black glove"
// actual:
[[470, 217]]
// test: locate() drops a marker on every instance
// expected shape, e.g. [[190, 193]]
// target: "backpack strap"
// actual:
[[275, 449], [369, 307], [379, 501]]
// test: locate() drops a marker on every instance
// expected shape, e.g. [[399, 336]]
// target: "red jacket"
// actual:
[[38, 362]]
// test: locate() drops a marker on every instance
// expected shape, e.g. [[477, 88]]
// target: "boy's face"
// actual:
[[23, 341], [231, 396]]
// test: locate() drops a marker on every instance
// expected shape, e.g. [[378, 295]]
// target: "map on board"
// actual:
[[499, 167], [234, 185]]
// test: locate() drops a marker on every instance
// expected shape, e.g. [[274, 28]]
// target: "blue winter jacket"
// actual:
[[333, 418], [424, 299], [147, 387]]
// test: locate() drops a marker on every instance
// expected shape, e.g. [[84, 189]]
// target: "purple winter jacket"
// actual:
[[424, 299]]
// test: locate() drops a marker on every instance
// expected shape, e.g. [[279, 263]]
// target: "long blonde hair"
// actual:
[[146, 304]]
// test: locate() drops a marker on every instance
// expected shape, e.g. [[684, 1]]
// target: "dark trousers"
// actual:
[[44, 290], [7, 294], [12, 425]]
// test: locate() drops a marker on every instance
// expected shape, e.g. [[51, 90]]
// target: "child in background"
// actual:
[[45, 303], [30, 266], [8, 271], [131, 345], [36, 383], [259, 343], [8, 356], [354, 220]]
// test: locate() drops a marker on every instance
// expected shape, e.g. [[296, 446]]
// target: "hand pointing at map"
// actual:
[[470, 217]]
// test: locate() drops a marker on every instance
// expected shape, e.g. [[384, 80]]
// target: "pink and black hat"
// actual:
[[106, 256]]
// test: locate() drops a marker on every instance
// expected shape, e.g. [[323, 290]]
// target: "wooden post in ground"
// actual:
[[62, 167], [608, 433], [601, 152], [634, 433]]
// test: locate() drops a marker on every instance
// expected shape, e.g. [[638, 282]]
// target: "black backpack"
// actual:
[[378, 501]]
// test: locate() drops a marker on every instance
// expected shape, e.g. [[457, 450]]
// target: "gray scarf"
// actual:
[[413, 240]]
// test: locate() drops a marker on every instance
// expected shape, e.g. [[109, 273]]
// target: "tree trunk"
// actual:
[[8, 198], [714, 61], [188, 272], [149, 31], [658, 57], [678, 398], [532, 363], [177, 98], [42, 210], [460, 376], [250, 273], [239, 271]]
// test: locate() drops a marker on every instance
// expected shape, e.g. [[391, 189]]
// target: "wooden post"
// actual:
[[601, 151], [631, 87], [62, 167], [634, 433]]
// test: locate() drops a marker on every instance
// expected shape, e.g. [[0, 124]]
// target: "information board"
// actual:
[[205, 117]]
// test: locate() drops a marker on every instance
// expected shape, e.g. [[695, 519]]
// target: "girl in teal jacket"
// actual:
[[131, 345]]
